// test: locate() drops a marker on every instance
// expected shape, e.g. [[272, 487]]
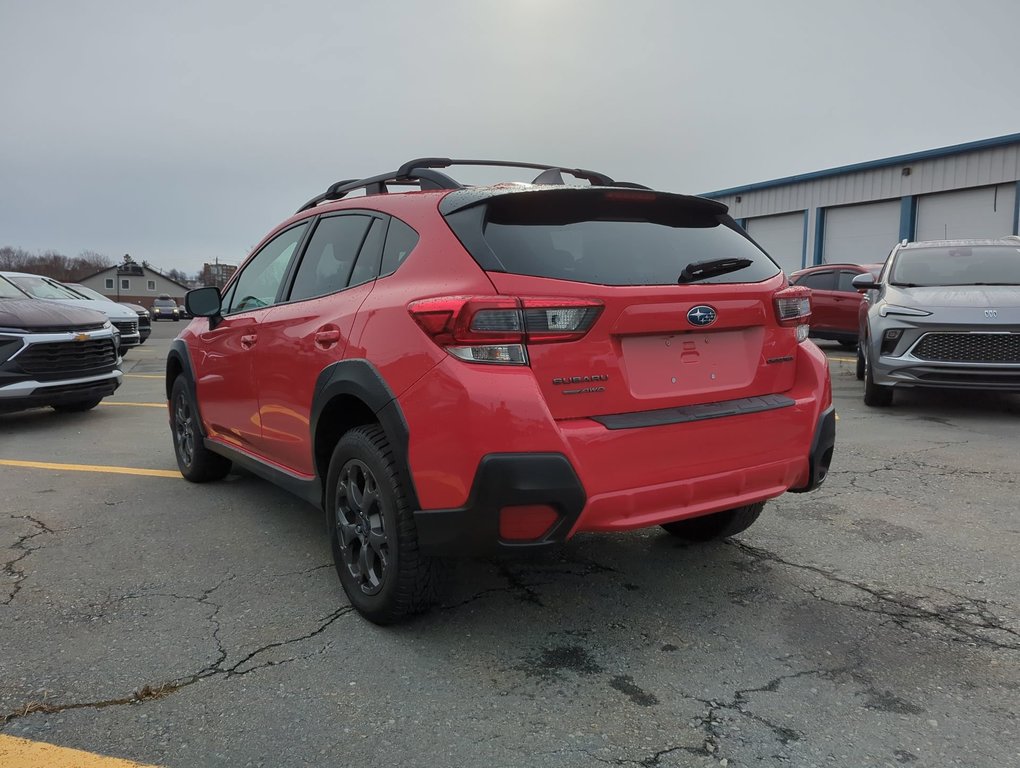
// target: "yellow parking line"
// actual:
[[144, 376], [22, 753], [844, 359], [137, 405], [90, 468]]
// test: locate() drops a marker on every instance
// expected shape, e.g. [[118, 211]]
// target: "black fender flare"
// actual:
[[357, 377], [179, 355]]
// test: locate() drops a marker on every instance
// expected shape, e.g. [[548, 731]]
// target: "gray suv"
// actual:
[[943, 313]]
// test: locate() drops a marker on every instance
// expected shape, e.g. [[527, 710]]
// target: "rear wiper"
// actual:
[[699, 270]]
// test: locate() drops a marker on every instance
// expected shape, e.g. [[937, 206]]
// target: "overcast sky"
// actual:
[[181, 132]]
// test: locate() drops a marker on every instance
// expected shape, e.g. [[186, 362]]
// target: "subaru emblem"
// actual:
[[701, 316]]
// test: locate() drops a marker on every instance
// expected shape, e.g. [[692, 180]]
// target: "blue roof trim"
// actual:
[[928, 154]]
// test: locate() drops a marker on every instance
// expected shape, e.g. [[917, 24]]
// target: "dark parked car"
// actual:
[[460, 370], [943, 313], [54, 354], [834, 300], [165, 308]]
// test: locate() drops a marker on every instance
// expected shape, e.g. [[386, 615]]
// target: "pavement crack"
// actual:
[[150, 692], [11, 569], [968, 618]]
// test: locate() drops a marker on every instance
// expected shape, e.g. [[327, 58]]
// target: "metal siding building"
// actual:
[[856, 213]]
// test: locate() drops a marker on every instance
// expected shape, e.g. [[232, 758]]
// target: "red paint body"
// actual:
[[257, 397]]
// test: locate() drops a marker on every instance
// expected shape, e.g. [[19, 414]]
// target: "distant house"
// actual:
[[134, 283]]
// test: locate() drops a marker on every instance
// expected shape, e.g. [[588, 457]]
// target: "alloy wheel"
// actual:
[[361, 527]]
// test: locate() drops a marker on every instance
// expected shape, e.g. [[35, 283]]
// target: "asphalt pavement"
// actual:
[[874, 622]]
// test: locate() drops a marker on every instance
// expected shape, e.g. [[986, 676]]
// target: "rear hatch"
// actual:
[[631, 301]]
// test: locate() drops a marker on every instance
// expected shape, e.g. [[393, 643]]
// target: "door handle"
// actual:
[[248, 340], [326, 339]]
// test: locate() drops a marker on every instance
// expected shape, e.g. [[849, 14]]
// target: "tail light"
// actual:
[[793, 309], [495, 329]]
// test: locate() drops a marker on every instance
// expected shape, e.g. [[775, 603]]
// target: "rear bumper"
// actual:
[[503, 480]]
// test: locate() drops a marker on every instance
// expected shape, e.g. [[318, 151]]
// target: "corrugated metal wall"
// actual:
[[972, 169]]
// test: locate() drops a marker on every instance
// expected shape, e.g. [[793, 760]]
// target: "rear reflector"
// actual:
[[526, 522], [793, 306]]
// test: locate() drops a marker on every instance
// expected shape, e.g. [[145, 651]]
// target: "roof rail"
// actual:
[[422, 172]]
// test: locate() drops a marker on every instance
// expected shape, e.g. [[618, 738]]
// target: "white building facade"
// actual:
[[857, 213]]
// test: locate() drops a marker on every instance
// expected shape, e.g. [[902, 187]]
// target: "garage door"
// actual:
[[861, 234], [981, 212], [782, 237]]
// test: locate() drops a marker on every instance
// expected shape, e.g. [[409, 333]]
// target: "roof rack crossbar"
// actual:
[[596, 178], [423, 172]]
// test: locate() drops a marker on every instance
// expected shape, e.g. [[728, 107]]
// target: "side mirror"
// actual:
[[203, 302], [865, 282]]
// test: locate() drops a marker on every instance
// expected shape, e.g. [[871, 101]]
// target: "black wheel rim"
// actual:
[[364, 545], [184, 430]]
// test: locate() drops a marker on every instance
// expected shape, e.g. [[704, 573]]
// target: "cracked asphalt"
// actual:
[[874, 622]]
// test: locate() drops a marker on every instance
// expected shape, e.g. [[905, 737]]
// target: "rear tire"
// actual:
[[718, 525], [77, 406], [372, 531], [848, 344], [197, 463]]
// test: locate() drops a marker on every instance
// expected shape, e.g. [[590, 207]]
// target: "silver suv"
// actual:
[[943, 313]]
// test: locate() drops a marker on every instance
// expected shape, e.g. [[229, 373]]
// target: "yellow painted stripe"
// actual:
[[844, 359], [137, 405], [144, 376], [22, 753], [90, 468]]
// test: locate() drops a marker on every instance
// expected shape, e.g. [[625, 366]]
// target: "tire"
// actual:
[[197, 463], [716, 526], [875, 395], [77, 406], [848, 344], [860, 362], [372, 532]]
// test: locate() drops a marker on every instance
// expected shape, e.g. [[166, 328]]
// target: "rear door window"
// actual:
[[845, 284], [329, 258]]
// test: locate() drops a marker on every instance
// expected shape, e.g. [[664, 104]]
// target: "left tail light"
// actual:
[[496, 329]]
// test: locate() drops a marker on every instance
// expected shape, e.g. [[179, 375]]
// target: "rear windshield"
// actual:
[[957, 265], [617, 238]]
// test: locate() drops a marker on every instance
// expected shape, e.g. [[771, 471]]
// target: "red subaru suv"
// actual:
[[457, 370]]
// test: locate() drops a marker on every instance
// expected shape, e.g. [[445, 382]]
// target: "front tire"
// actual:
[[372, 532], [875, 395], [716, 526], [197, 463], [860, 361]]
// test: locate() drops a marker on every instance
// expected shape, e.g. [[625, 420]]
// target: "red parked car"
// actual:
[[461, 370], [834, 302]]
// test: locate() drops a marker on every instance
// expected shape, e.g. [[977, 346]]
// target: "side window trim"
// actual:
[[282, 295]]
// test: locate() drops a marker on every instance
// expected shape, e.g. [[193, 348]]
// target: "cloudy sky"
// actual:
[[180, 132]]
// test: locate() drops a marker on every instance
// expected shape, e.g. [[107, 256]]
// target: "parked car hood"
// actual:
[[981, 296], [111, 309], [38, 315]]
